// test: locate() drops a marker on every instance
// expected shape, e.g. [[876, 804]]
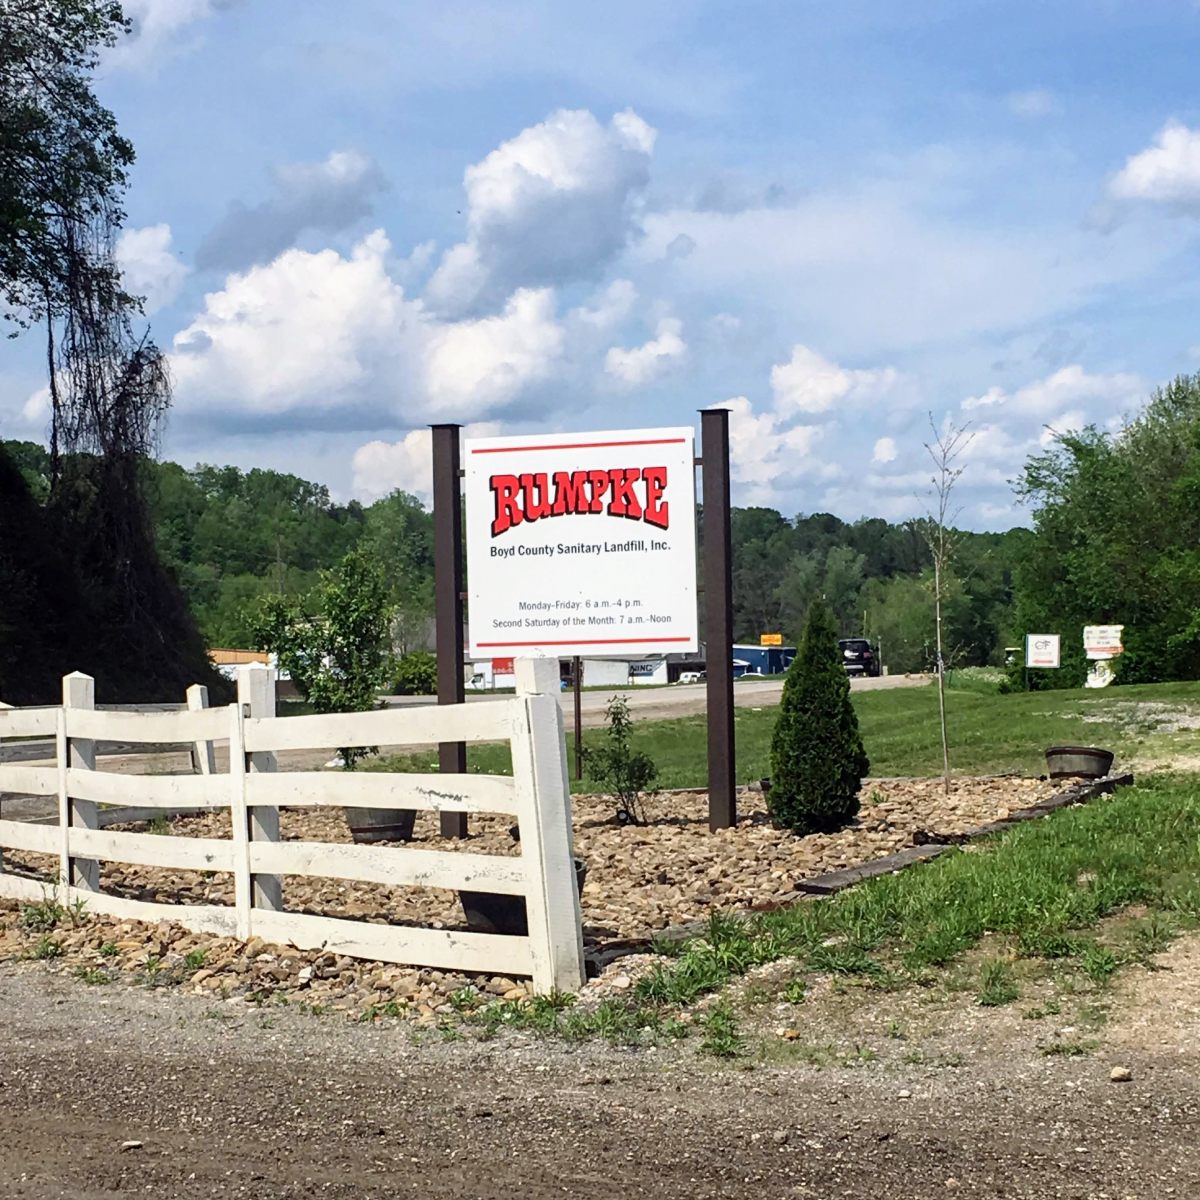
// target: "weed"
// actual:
[[109, 950], [1051, 1008], [193, 960], [1152, 935], [159, 825], [895, 1030], [795, 992], [721, 1036], [997, 984], [91, 975], [1098, 963], [153, 970], [46, 947], [466, 999], [40, 916], [1093, 1016], [913, 1057], [391, 1008], [1071, 1049]]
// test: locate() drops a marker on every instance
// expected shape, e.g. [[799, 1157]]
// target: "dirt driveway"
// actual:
[[228, 1100]]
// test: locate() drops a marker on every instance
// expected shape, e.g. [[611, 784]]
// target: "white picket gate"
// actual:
[[536, 795]]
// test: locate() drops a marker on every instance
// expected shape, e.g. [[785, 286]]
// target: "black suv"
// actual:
[[859, 657]]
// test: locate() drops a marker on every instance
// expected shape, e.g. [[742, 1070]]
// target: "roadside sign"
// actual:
[[582, 543], [1042, 650], [1103, 641], [770, 639]]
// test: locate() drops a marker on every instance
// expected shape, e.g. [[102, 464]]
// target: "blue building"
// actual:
[[766, 660]]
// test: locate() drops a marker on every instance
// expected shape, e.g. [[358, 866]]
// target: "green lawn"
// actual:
[[989, 733], [1043, 888]]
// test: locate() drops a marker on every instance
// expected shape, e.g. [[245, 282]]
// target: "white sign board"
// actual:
[[1042, 650], [1102, 641], [581, 544]]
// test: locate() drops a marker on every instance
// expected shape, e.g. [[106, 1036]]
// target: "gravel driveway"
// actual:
[[227, 1100]]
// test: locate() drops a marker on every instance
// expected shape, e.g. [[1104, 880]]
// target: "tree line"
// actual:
[[231, 538]]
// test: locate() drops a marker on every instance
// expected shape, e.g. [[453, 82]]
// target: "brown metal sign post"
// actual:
[[718, 617], [448, 600]]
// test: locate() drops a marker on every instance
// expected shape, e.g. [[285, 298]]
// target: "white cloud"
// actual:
[[157, 29], [1033, 103], [555, 203], [885, 450], [610, 307], [328, 339], [148, 267], [1168, 172], [810, 383], [769, 457], [642, 364], [382, 467], [475, 367], [1066, 388], [326, 196]]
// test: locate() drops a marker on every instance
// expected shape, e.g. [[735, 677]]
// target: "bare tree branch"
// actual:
[[945, 449]]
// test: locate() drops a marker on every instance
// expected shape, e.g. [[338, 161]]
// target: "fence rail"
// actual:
[[253, 791]]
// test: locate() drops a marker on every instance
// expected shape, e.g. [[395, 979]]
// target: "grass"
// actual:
[[990, 733], [1043, 887]]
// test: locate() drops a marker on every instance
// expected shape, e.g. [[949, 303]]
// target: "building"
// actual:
[[766, 660]]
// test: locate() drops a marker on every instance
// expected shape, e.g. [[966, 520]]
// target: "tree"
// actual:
[[942, 538], [817, 756], [336, 651], [64, 168], [65, 164], [616, 765], [399, 533], [1116, 530]]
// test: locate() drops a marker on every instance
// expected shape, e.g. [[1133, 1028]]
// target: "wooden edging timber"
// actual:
[[926, 846]]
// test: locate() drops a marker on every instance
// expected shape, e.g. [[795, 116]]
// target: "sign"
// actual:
[[579, 543], [1102, 641], [1042, 650], [502, 666], [770, 639]]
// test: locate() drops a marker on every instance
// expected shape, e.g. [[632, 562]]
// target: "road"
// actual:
[[117, 1091], [650, 703]]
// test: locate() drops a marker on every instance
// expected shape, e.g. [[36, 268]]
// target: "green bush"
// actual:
[[817, 756], [416, 674]]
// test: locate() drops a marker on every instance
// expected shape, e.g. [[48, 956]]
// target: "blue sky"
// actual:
[[351, 220]]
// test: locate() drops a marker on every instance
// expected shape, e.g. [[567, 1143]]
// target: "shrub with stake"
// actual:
[[615, 765], [817, 756]]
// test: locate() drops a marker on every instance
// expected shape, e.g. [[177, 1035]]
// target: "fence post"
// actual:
[[204, 759], [256, 696], [547, 838], [239, 822], [79, 692]]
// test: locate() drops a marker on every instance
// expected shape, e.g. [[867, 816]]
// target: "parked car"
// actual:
[[691, 676], [752, 675], [859, 657]]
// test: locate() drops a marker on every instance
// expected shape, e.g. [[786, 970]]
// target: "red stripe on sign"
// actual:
[[579, 446], [588, 642]]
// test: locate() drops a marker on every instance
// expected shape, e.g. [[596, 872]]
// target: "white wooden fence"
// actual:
[[536, 794]]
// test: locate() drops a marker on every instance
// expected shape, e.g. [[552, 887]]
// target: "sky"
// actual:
[[840, 222]]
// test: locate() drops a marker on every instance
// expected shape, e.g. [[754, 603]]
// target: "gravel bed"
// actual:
[[640, 879]]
